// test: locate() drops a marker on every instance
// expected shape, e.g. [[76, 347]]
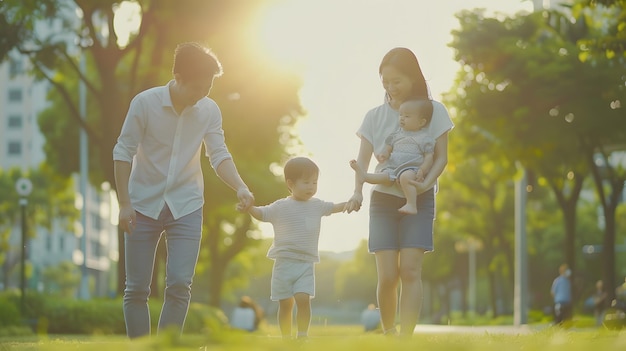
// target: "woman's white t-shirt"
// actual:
[[381, 121]]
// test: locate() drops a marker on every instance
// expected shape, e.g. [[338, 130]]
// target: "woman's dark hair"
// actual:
[[192, 60], [300, 167], [404, 60]]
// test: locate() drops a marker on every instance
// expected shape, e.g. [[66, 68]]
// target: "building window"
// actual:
[[49, 243], [95, 249], [61, 243], [15, 122], [15, 148], [15, 95], [96, 221], [16, 67]]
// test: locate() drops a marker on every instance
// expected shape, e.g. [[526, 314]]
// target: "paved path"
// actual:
[[481, 329]]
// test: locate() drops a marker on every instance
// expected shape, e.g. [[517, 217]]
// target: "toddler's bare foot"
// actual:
[[408, 209]]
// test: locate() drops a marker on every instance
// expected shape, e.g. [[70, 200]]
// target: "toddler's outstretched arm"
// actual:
[[340, 207], [254, 211]]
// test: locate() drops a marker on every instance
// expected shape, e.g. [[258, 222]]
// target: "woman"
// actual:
[[399, 241]]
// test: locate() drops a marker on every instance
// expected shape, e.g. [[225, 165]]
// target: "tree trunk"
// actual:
[[465, 284], [494, 294], [216, 280], [609, 205], [608, 253], [569, 217]]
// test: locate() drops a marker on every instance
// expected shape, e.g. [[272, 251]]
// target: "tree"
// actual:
[[608, 18], [258, 99], [523, 84], [62, 279], [478, 180]]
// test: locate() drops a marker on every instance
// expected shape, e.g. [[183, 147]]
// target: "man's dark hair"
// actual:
[[193, 60]]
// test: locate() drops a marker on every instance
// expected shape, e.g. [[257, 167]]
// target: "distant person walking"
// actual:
[[160, 186], [296, 220], [599, 302], [561, 292]]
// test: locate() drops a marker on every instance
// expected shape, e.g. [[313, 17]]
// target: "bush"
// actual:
[[9, 314], [64, 316], [54, 315], [203, 319]]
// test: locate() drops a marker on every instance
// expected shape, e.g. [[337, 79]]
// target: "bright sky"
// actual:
[[339, 44]]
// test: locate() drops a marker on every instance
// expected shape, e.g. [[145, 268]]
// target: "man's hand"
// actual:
[[127, 218], [246, 199]]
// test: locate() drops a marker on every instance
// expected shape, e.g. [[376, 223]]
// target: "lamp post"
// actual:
[[83, 292], [520, 298], [23, 186]]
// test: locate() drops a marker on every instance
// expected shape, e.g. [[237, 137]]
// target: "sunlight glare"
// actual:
[[337, 47], [281, 33], [126, 21]]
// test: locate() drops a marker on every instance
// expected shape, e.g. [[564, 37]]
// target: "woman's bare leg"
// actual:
[[387, 289], [411, 292]]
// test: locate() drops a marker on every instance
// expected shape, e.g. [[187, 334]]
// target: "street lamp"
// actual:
[[520, 298], [23, 186], [83, 292]]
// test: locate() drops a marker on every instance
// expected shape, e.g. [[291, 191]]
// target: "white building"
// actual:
[[21, 145]]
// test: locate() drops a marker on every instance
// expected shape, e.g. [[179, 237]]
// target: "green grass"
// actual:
[[333, 337]]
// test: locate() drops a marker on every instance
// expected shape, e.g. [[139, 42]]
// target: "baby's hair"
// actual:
[[193, 60], [424, 108], [300, 167]]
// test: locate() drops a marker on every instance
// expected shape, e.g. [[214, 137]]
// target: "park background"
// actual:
[[538, 89]]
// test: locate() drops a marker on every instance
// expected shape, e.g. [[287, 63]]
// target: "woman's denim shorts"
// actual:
[[392, 230]]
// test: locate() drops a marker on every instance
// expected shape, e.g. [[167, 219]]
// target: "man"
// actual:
[[160, 184], [562, 294]]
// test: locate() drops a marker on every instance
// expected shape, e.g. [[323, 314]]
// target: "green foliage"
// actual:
[[62, 279], [521, 85], [258, 99], [607, 19], [54, 315], [356, 279], [10, 314], [52, 197]]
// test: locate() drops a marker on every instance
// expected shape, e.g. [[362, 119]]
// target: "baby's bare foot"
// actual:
[[360, 174], [408, 209], [359, 171]]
